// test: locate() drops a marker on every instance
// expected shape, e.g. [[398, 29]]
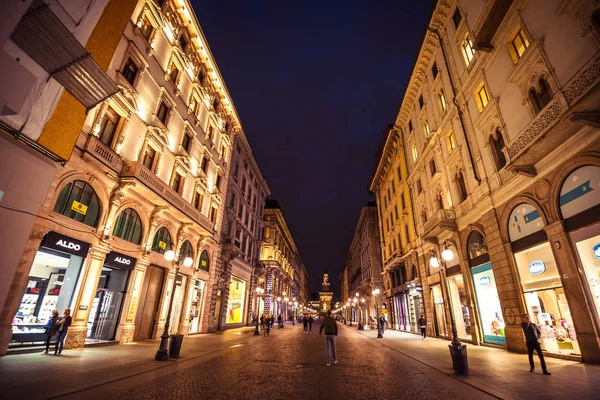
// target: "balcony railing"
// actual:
[[139, 172], [103, 153], [442, 219]]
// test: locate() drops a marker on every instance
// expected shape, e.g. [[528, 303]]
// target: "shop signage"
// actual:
[[56, 241], [204, 263], [83, 307], [537, 267], [79, 207], [484, 280], [162, 245], [120, 260], [597, 250]]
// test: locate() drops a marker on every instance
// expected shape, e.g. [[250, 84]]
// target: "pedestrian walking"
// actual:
[[382, 322], [50, 328], [422, 322], [262, 321], [310, 322], [330, 327], [305, 324], [280, 321], [267, 325], [63, 327], [532, 335]]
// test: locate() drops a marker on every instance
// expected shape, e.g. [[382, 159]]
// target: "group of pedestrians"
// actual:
[[58, 327], [307, 323]]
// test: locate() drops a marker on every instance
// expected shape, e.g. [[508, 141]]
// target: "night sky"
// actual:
[[315, 83]]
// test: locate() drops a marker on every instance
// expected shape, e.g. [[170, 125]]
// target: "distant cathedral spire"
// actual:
[[325, 284]]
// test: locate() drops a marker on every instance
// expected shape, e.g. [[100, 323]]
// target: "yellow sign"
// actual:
[[203, 263], [162, 245], [79, 207], [384, 311]]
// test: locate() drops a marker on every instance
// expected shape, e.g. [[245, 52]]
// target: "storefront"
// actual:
[[540, 281], [438, 310], [486, 293], [196, 305], [457, 293], [52, 284], [236, 302], [415, 307], [580, 208], [106, 307]]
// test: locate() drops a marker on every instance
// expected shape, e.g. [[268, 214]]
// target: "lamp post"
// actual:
[[162, 354], [294, 312], [361, 321], [376, 295], [286, 299], [458, 351], [279, 325], [259, 291]]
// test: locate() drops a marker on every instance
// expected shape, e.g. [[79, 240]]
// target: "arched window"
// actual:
[[496, 146], [186, 250], [129, 226], [461, 187], [476, 245], [78, 200], [162, 241], [539, 99]]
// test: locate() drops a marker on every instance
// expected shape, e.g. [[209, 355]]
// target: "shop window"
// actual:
[[162, 241], [456, 17], [442, 100], [78, 201], [146, 28], [163, 112], [186, 250], [467, 49], [481, 97], [496, 146], [149, 158], [236, 301], [130, 71], [517, 44], [476, 245], [451, 141], [129, 226], [108, 126], [461, 187], [541, 97]]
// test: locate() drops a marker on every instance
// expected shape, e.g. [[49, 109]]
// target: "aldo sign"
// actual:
[[120, 260], [59, 242]]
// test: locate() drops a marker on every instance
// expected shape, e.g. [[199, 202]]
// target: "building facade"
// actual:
[[149, 174], [282, 267], [37, 43], [498, 126], [242, 230], [363, 268]]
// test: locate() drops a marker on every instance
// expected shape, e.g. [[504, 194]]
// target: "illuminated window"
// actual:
[[481, 95], [414, 152], [426, 128], [442, 100], [517, 44], [451, 141], [467, 49], [173, 73], [146, 28]]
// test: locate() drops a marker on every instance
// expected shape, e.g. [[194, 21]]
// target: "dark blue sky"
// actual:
[[315, 83]]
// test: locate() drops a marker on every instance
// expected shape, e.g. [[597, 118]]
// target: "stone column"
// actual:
[[126, 328], [90, 277], [163, 309], [184, 325], [15, 293], [580, 309]]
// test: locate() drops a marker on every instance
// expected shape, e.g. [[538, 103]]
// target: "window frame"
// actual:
[[92, 203], [467, 49], [129, 232]]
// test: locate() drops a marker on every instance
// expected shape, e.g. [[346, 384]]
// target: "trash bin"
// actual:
[[175, 347], [459, 359]]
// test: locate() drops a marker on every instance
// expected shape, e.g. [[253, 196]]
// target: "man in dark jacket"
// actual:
[[330, 327], [532, 335], [310, 322]]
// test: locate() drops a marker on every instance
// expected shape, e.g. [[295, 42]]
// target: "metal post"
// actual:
[[162, 354], [256, 331]]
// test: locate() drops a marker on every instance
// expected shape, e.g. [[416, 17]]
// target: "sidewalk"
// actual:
[[499, 372], [36, 376]]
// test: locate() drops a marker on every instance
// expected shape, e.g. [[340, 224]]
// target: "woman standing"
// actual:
[[423, 326], [63, 328], [51, 329]]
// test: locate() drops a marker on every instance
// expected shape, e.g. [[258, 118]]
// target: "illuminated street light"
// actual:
[[162, 354], [375, 293]]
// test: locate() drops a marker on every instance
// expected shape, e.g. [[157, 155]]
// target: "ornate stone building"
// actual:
[[282, 266], [499, 128], [149, 174], [363, 269], [242, 231]]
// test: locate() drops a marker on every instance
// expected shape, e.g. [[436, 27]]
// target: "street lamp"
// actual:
[[162, 354], [259, 291], [375, 293], [361, 322], [458, 351], [294, 312], [286, 299]]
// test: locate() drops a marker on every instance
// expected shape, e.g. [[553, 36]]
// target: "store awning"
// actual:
[[43, 36]]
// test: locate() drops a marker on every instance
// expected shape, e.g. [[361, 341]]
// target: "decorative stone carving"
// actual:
[[541, 189], [583, 81]]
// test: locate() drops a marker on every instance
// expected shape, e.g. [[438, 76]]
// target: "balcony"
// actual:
[[442, 220], [101, 152], [137, 171]]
